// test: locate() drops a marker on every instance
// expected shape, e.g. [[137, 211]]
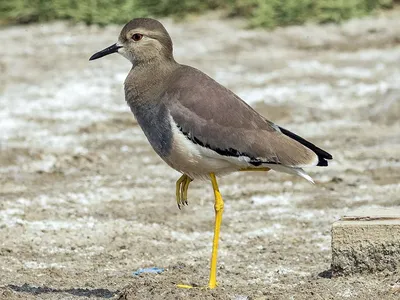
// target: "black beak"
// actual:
[[109, 50]]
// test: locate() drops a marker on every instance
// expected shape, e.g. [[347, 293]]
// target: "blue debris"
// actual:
[[153, 270]]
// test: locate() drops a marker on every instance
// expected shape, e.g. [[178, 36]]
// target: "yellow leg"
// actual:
[[178, 189], [219, 208], [182, 186], [184, 190]]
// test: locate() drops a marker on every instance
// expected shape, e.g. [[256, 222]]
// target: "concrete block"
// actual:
[[366, 241]]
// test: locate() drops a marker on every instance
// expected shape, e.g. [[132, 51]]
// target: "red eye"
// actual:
[[137, 37]]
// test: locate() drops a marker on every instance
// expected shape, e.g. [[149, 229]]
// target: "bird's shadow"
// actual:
[[81, 292], [328, 274]]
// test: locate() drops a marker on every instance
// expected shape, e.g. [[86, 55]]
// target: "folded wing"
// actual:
[[214, 117]]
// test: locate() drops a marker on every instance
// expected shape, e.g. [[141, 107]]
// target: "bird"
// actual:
[[197, 126]]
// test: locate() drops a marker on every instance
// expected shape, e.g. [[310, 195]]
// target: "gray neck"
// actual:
[[143, 91], [147, 80]]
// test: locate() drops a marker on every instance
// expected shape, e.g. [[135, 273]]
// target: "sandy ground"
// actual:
[[85, 202]]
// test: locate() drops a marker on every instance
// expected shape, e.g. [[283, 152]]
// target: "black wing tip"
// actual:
[[323, 156], [322, 162]]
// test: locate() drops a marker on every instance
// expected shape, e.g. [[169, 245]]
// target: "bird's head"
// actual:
[[140, 41]]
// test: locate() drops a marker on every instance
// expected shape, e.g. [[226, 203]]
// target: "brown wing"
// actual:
[[216, 118]]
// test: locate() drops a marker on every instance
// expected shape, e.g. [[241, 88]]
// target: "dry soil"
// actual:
[[85, 202]]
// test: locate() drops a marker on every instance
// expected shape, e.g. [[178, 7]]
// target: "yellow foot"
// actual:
[[184, 286], [182, 186]]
